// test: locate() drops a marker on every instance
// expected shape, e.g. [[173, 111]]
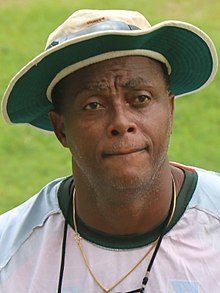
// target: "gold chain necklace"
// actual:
[[78, 239]]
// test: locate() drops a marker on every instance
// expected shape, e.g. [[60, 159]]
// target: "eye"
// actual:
[[93, 106], [141, 100]]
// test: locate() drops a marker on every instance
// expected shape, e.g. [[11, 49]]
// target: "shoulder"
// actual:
[[18, 224], [207, 192]]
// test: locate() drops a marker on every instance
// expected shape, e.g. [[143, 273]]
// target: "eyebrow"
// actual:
[[133, 83], [98, 87], [136, 82]]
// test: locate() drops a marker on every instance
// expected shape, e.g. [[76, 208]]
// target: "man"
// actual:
[[127, 220]]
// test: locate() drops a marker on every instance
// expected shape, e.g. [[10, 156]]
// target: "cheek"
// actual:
[[158, 126], [83, 138], [164, 130]]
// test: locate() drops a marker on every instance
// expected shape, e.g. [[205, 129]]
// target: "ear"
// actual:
[[172, 102], [172, 106], [59, 127]]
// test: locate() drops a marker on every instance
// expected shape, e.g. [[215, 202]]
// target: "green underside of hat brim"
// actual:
[[189, 56]]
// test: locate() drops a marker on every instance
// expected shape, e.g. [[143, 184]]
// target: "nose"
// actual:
[[121, 122]]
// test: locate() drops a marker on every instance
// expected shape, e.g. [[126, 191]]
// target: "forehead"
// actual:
[[136, 68]]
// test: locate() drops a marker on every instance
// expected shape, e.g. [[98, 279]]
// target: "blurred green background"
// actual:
[[30, 158]]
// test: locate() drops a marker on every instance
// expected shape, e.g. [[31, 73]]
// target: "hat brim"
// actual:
[[189, 52]]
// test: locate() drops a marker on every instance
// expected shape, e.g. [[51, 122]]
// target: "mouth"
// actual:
[[124, 153]]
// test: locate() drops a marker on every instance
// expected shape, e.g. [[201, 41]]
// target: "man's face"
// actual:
[[116, 121]]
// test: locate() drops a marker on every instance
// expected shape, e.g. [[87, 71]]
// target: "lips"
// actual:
[[124, 152]]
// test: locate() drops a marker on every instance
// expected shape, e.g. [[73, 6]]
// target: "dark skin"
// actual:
[[116, 119]]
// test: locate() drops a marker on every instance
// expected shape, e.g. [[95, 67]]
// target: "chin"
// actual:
[[131, 182]]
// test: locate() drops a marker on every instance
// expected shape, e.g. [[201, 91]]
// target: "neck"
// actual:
[[136, 214]]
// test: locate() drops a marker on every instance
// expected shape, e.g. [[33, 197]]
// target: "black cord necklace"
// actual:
[[146, 276]]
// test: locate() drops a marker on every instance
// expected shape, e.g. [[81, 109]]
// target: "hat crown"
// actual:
[[91, 36], [84, 18]]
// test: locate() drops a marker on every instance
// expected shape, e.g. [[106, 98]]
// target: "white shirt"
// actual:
[[188, 260]]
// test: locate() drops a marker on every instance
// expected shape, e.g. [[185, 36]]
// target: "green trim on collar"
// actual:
[[126, 242]]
